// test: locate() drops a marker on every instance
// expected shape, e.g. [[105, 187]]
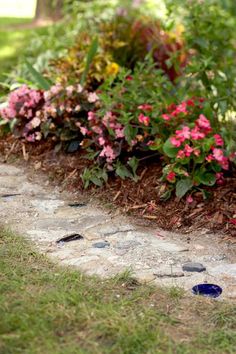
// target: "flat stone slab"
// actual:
[[110, 244], [193, 267]]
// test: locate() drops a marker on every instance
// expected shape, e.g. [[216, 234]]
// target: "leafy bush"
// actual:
[[123, 41], [151, 89], [56, 113]]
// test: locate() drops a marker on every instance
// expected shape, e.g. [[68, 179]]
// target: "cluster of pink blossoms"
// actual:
[[142, 118], [201, 129], [98, 130], [22, 103], [58, 106]]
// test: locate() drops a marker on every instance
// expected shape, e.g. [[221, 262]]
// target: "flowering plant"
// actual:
[[55, 113], [196, 157]]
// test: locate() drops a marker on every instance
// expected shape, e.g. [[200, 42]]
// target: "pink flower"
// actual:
[[101, 141], [145, 107], [220, 178], [96, 129], [171, 177], [225, 163], [219, 157], [209, 158], [196, 152], [166, 116], [83, 130], [181, 108], [189, 199], [91, 116], [218, 140], [218, 154], [119, 133], [183, 134], [56, 89], [35, 122], [181, 154], [108, 152], [196, 134], [69, 90], [188, 150], [143, 119], [175, 142], [204, 123], [79, 88], [92, 97]]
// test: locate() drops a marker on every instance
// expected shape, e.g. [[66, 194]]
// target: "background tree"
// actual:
[[47, 9]]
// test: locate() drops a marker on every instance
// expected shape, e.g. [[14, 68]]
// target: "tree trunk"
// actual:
[[48, 9]]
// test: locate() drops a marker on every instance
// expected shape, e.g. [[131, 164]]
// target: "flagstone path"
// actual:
[[106, 243]]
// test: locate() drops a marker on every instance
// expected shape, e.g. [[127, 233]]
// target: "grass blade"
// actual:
[[38, 78], [90, 56]]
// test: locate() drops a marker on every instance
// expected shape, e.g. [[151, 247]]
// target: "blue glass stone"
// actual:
[[208, 290]]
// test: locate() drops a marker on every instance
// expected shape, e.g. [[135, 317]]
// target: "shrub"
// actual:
[[56, 113]]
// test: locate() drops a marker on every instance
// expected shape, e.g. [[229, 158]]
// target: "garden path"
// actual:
[[110, 242]]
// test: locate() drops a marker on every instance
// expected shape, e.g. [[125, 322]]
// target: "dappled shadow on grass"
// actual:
[[15, 36], [50, 309]]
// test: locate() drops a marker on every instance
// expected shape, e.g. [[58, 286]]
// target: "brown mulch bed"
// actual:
[[142, 199]]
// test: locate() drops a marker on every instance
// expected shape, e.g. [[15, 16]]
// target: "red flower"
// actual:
[[171, 177]]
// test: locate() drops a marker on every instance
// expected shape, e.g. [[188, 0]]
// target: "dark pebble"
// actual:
[[193, 267], [101, 244]]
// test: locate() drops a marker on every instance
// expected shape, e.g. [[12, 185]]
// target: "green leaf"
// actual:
[[169, 149], [96, 181], [90, 56], [130, 133], [209, 179], [133, 163], [183, 186], [39, 79], [207, 144], [122, 171]]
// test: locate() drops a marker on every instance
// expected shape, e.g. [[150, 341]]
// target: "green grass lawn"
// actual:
[[13, 41], [48, 309]]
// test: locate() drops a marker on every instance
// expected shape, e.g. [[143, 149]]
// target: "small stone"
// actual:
[[193, 267], [101, 244]]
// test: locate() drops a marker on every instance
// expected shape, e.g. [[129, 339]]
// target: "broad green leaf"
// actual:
[[183, 186], [39, 79], [209, 179], [123, 172], [169, 149], [133, 163]]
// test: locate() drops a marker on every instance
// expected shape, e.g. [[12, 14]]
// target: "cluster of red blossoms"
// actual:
[[201, 130]]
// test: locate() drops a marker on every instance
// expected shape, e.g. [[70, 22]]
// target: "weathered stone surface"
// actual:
[[127, 244], [42, 213], [193, 267], [8, 170], [105, 230], [224, 269], [47, 206]]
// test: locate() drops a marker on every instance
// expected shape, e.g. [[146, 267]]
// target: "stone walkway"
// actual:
[[105, 243]]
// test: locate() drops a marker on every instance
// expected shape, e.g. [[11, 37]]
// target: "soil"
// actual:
[[142, 199]]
